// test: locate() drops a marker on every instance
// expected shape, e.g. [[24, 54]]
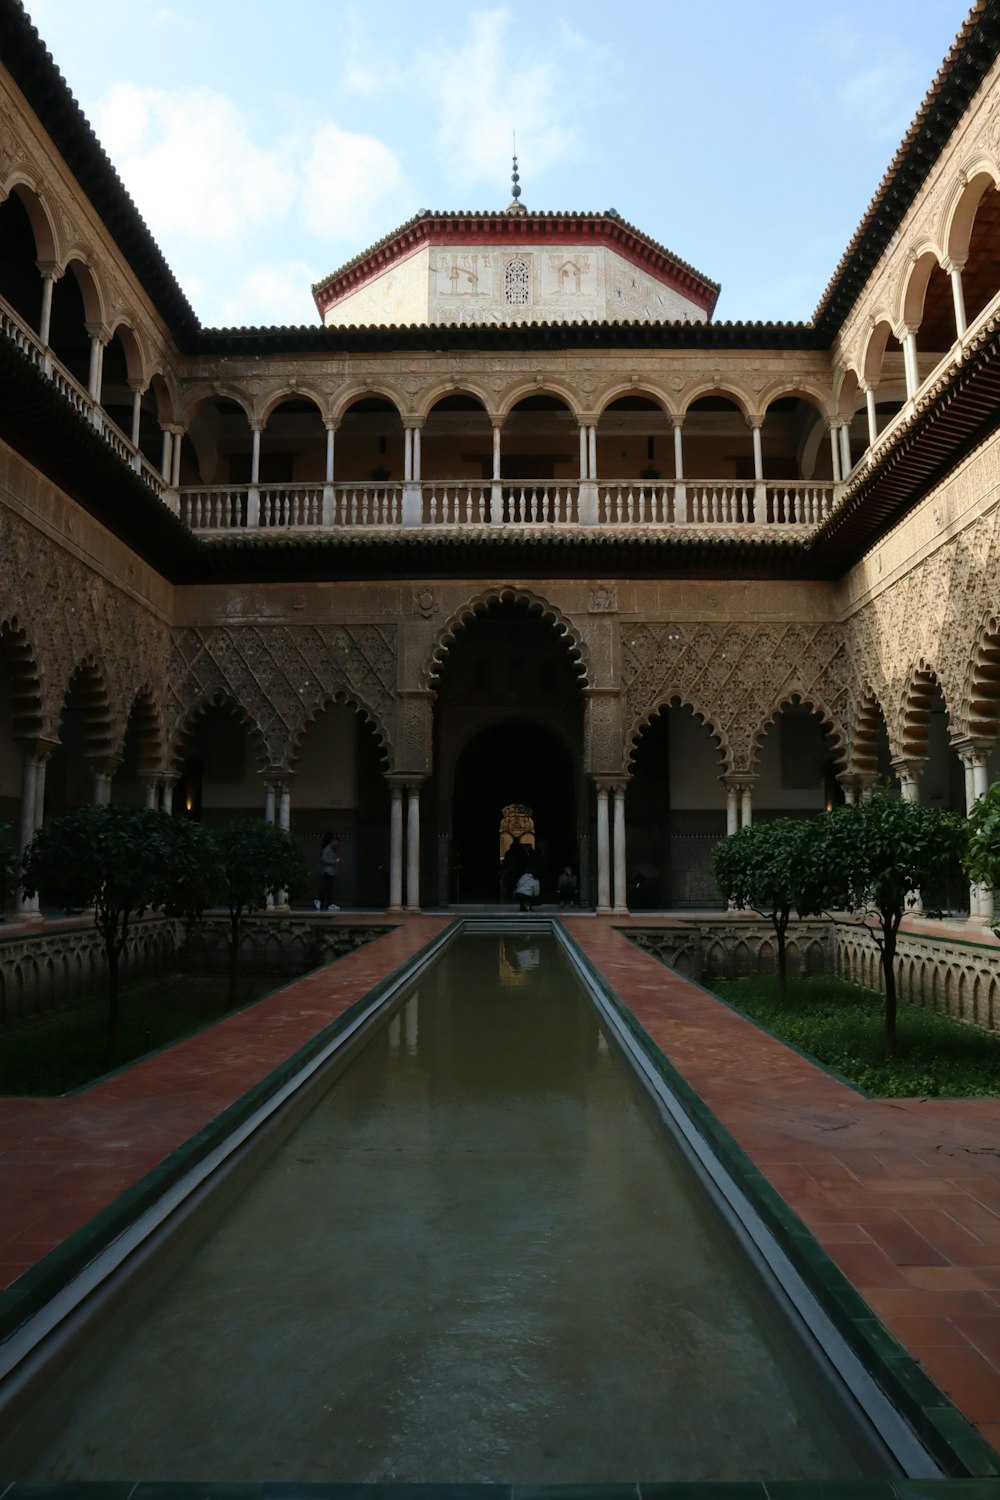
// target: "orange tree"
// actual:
[[121, 861], [876, 855], [767, 866]]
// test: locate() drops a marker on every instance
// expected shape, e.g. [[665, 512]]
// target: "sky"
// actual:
[[266, 143]]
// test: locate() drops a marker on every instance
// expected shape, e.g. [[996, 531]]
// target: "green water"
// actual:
[[477, 1259]]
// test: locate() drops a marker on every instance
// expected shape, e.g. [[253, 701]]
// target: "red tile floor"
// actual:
[[904, 1195]]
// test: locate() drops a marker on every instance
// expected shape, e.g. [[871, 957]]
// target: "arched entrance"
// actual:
[[521, 763], [508, 728]]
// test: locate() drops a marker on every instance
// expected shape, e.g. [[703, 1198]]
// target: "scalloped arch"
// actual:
[[89, 675], [480, 605], [796, 694], [920, 685], [980, 701], [869, 721], [351, 700], [178, 742], [24, 678], [678, 700], [145, 713]]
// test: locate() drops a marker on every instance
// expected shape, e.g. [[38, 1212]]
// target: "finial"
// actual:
[[514, 207]]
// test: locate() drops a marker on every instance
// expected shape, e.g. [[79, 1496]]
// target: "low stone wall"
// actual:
[[945, 971], [47, 969], [958, 976]]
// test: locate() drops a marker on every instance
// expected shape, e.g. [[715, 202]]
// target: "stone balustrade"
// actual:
[[714, 504]]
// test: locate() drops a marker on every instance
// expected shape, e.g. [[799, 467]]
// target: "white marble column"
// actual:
[[152, 786], [165, 457], [97, 342], [45, 317], [269, 802], [175, 457], [396, 847], [958, 297], [758, 452], [603, 842], [620, 862], [407, 455], [910, 367], [872, 415], [592, 451], [908, 772], [835, 455], [27, 906], [583, 451], [168, 797], [416, 455], [102, 786], [681, 511], [413, 847], [845, 449], [255, 453], [732, 810], [746, 804]]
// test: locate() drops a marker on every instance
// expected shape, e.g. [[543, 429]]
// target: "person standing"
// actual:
[[329, 860]]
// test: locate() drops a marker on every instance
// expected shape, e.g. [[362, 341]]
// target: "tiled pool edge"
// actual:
[[946, 1433], [38, 1285]]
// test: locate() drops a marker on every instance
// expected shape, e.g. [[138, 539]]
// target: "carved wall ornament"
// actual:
[[425, 603], [603, 599]]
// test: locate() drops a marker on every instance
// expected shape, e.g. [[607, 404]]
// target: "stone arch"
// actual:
[[559, 389], [124, 330], [506, 594], [869, 721], [846, 393], [350, 395], [341, 695], [145, 720], [705, 388], [439, 390], [303, 391], [91, 683], [179, 744], [915, 709], [981, 691], [677, 699], [914, 287], [25, 680], [165, 398], [90, 287], [200, 395], [778, 389], [874, 351], [975, 179], [799, 696], [645, 388], [40, 216]]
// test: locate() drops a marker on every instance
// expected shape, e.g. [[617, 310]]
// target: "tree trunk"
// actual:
[[780, 925], [114, 986], [234, 939], [889, 974]]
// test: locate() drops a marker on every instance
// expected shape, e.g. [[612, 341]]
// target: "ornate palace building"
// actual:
[[515, 540]]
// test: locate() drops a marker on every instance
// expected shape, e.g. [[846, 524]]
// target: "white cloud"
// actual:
[[187, 158], [484, 90], [346, 178], [266, 294]]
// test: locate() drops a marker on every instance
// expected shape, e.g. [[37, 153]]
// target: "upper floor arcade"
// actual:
[[640, 426]]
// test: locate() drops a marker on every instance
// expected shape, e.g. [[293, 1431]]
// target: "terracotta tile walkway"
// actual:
[[903, 1195]]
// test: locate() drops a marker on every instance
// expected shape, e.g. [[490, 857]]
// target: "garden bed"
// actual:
[[841, 1025]]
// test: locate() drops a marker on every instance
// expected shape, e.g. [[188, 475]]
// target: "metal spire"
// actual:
[[514, 206]]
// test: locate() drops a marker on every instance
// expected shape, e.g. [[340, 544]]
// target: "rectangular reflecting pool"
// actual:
[[480, 1258]]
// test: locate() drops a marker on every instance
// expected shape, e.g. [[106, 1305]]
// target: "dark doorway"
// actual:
[[515, 761]]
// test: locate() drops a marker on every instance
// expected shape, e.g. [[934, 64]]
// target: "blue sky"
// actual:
[[266, 144]]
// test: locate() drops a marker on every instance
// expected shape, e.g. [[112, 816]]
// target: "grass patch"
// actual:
[[842, 1026], [65, 1051]]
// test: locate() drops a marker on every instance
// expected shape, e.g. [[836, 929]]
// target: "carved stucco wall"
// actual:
[[82, 599], [280, 677], [925, 600]]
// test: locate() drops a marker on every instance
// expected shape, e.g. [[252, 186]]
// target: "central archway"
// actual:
[[508, 728], [515, 761]]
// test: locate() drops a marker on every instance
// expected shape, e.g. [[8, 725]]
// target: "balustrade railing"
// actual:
[[459, 503]]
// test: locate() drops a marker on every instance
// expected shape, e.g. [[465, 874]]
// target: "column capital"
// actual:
[[611, 783], [740, 780], [40, 748], [50, 270], [971, 751], [909, 769]]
